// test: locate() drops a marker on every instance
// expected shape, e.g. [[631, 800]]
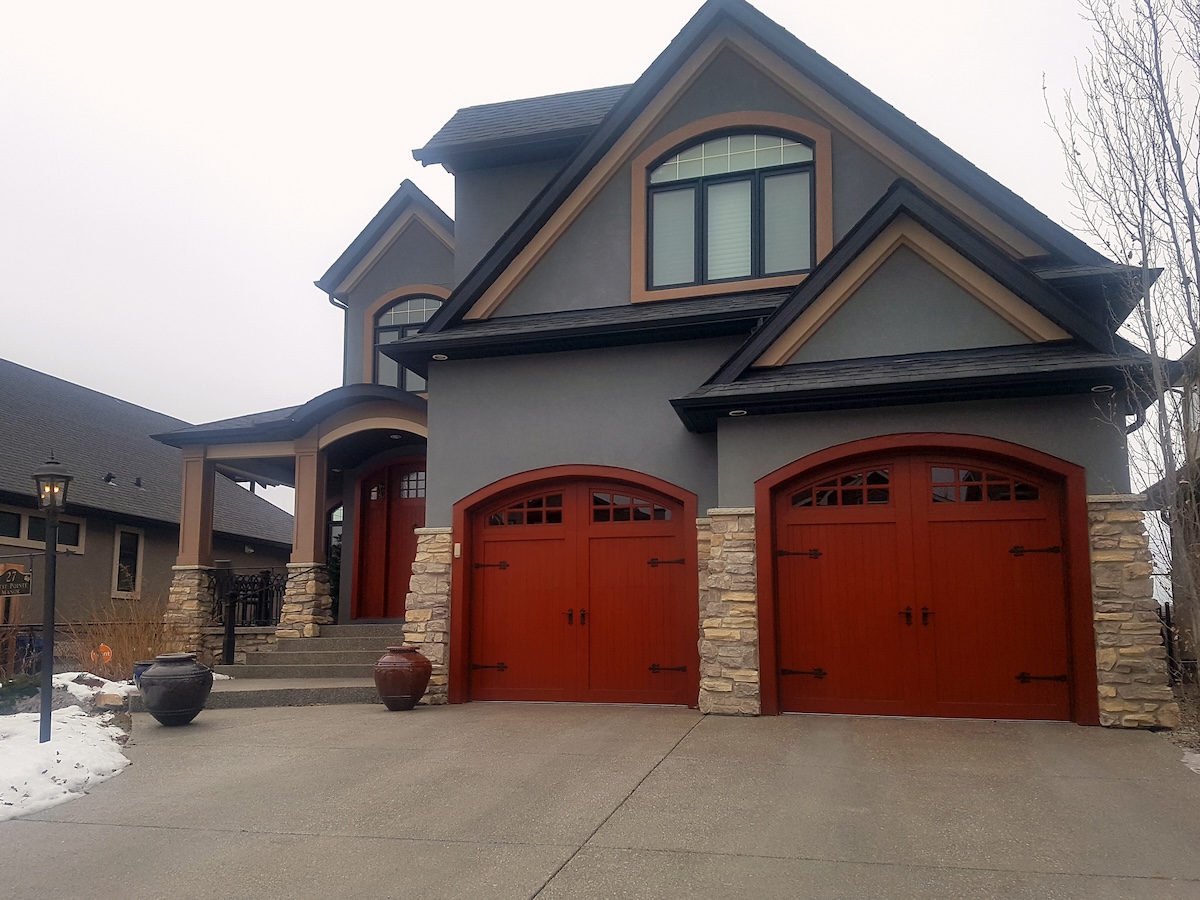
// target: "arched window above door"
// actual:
[[396, 320]]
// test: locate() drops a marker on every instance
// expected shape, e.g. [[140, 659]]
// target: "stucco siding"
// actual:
[[493, 418], [1074, 428]]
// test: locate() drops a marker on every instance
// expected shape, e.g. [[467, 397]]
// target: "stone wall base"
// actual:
[[189, 609], [249, 637], [427, 608], [1131, 661], [307, 604], [729, 667]]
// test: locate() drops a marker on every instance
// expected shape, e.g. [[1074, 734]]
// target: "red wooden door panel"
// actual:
[[391, 503], [577, 612], [371, 548]]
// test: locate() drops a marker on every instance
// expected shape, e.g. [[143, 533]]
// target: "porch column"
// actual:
[[190, 597], [307, 604], [729, 665]]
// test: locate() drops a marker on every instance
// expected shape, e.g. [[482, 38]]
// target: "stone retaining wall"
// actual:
[[427, 608], [307, 604], [1130, 656], [249, 637], [729, 667]]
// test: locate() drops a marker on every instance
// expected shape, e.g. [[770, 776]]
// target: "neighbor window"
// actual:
[[28, 529], [402, 318], [127, 562], [730, 208]]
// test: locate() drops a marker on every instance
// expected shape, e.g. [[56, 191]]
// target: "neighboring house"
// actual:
[[731, 388], [119, 535]]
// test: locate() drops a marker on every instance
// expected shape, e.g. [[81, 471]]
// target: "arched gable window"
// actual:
[[394, 321], [730, 208]]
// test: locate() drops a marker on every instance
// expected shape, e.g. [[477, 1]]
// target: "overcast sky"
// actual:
[[174, 177]]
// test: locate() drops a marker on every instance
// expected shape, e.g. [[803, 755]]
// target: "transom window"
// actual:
[[867, 487], [732, 207], [608, 507], [952, 484], [542, 510], [400, 319], [412, 485]]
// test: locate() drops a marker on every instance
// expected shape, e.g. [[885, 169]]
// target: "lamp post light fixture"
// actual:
[[52, 481]]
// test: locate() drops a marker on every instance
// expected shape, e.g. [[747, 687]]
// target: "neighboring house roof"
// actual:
[[93, 435], [537, 127], [714, 15], [991, 372], [669, 320], [407, 196], [287, 423]]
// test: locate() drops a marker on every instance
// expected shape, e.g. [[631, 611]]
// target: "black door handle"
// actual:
[[583, 617], [926, 614], [907, 613], [570, 616]]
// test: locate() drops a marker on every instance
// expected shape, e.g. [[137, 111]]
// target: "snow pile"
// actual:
[[84, 748], [1191, 759]]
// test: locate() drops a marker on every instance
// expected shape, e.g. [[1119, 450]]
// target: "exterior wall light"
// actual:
[[52, 482], [1102, 388], [440, 357], [735, 413]]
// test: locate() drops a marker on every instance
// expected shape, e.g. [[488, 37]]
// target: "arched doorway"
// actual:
[[926, 580], [391, 503], [579, 585]]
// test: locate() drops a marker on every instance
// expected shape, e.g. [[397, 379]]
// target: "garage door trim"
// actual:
[[1085, 703]]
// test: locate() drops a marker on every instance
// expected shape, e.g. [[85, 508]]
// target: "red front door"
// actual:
[[583, 591], [922, 585], [391, 503]]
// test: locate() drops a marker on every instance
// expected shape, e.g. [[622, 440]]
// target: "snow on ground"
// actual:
[[83, 750]]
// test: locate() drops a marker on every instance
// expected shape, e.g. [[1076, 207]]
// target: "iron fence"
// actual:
[[250, 598]]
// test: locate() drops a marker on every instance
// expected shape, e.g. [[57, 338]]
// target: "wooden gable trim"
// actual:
[[376, 414], [404, 221], [749, 120], [904, 232], [409, 290], [1014, 242]]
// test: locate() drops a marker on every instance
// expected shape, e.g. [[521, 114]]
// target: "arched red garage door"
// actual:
[[582, 590], [922, 584]]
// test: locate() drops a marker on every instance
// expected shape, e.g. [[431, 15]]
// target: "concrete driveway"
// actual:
[[561, 802]]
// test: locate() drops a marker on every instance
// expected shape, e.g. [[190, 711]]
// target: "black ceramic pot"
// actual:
[[139, 667], [175, 688]]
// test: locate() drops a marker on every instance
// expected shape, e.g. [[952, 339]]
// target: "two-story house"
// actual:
[[731, 388]]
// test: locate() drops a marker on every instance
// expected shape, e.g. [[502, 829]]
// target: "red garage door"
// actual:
[[583, 591], [922, 585]]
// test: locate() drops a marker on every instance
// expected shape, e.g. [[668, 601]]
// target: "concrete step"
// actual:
[[385, 629], [256, 692], [322, 644], [258, 659], [267, 670]]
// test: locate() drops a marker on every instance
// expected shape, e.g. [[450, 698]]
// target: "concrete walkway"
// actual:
[[563, 802]]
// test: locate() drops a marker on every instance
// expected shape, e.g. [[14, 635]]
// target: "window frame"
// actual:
[[380, 305], [817, 136], [140, 574], [700, 185], [23, 539]]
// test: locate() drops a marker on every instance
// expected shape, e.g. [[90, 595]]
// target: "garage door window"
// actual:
[[625, 508], [545, 509], [869, 487], [951, 484]]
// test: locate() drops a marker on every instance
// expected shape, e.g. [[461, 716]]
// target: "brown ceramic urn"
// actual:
[[401, 676]]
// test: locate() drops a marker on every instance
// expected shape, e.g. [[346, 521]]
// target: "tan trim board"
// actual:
[[1013, 241], [904, 232], [265, 450], [409, 290]]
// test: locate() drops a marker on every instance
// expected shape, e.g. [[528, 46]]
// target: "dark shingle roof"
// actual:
[[1023, 370], [515, 122], [92, 435], [671, 320]]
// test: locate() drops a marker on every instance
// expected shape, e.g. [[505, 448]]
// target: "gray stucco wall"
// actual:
[[487, 202], [1072, 428], [416, 257], [907, 306], [492, 418], [588, 266]]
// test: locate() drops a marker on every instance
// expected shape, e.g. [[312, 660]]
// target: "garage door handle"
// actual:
[[1021, 551], [570, 616], [1025, 678], [503, 564], [583, 617], [654, 562], [926, 613], [907, 613]]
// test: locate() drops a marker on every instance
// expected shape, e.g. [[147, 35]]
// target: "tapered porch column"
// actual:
[[190, 598], [307, 604]]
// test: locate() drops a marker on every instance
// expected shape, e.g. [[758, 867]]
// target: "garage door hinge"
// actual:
[[814, 553], [500, 667], [1025, 678], [815, 673], [500, 565], [654, 562], [1021, 551], [656, 668]]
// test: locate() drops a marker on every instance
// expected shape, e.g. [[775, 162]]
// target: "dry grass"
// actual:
[[115, 634]]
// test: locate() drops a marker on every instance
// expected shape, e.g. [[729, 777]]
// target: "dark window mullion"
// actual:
[[700, 195]]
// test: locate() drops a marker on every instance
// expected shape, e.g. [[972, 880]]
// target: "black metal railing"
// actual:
[[20, 650], [248, 598]]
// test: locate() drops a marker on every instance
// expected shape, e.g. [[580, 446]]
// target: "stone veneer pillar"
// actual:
[[1130, 657], [427, 608], [729, 666], [190, 600], [307, 604]]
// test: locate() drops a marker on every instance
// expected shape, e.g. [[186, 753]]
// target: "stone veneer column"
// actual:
[[729, 667], [307, 604], [427, 615], [189, 609], [1130, 657]]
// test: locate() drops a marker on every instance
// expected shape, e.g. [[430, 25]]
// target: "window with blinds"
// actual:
[[730, 208]]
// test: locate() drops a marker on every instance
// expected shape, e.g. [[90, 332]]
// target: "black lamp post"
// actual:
[[52, 483]]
